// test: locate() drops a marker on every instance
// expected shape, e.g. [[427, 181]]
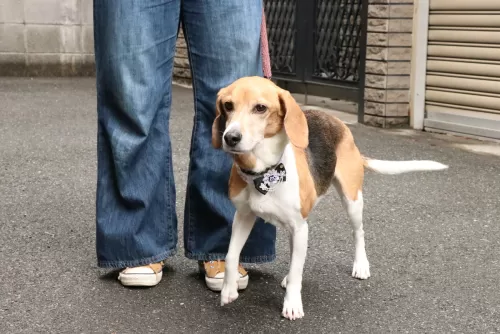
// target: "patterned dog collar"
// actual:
[[265, 181]]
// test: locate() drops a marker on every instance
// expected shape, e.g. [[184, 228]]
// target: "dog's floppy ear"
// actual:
[[219, 124], [295, 121]]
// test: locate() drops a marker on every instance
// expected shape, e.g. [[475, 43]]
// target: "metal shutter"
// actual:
[[463, 67]]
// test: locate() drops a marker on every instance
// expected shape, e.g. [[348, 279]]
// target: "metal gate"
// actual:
[[318, 47]]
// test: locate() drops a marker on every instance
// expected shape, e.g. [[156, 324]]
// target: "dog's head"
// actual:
[[252, 109]]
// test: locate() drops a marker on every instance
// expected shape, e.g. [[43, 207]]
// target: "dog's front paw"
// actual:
[[361, 269], [228, 294], [292, 307]]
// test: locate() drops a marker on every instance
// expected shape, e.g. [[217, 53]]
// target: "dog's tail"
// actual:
[[400, 167]]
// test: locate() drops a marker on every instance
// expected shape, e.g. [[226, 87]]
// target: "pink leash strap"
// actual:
[[264, 48]]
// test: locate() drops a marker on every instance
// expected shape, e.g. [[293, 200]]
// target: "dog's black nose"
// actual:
[[232, 138]]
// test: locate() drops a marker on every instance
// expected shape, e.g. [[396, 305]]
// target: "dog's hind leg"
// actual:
[[354, 208], [292, 305], [348, 180]]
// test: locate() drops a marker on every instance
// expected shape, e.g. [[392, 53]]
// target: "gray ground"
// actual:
[[432, 238]]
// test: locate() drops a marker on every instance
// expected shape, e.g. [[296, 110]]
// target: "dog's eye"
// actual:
[[260, 108], [228, 106]]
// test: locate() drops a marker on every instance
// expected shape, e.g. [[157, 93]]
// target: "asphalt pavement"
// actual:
[[433, 239]]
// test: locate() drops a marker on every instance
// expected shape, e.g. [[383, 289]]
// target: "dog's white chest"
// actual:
[[273, 209], [281, 205]]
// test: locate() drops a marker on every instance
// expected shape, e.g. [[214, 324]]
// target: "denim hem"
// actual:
[[222, 256], [137, 263]]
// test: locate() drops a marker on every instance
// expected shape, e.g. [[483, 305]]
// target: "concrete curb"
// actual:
[[62, 66], [59, 67]]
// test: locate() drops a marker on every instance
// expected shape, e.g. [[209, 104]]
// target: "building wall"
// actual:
[[46, 37], [54, 38], [182, 72], [388, 62]]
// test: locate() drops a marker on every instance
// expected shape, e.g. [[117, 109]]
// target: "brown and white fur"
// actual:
[[260, 125]]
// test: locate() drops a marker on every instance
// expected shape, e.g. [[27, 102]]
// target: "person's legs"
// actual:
[[136, 222], [223, 38]]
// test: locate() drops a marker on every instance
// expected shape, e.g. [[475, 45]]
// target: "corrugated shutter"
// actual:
[[463, 67]]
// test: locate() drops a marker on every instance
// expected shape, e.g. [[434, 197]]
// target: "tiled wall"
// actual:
[[388, 57], [182, 71], [55, 38], [46, 37]]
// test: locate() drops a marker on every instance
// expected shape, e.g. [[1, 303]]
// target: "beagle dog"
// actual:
[[285, 160]]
